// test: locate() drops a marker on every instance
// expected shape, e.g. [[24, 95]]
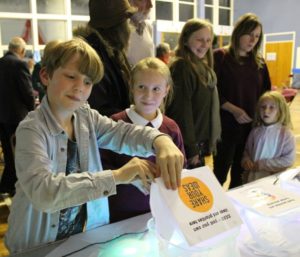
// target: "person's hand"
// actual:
[[169, 160], [135, 168], [241, 116], [247, 165]]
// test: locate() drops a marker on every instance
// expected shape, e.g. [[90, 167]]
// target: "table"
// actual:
[[129, 238], [136, 225]]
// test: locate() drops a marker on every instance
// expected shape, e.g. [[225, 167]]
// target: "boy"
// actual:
[[59, 185]]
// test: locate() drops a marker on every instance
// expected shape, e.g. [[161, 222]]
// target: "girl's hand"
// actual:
[[136, 168], [169, 160]]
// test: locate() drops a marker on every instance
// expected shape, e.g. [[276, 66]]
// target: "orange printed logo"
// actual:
[[195, 194]]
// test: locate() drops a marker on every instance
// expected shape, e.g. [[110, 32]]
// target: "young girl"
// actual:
[[242, 78], [151, 89], [271, 146], [62, 188], [196, 105]]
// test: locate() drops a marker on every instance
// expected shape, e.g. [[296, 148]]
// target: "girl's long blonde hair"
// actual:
[[182, 49], [204, 67], [284, 116]]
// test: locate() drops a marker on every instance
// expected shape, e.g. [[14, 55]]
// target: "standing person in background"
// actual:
[[271, 145], [163, 52], [141, 43], [16, 95], [150, 90], [108, 33], [36, 80], [242, 78], [195, 107]]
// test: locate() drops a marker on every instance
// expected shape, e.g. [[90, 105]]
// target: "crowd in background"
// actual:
[[209, 101]]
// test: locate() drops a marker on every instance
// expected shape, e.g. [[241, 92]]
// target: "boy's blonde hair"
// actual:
[[89, 62], [51, 44], [284, 116], [161, 68]]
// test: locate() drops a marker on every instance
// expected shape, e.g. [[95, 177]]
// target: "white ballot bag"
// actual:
[[196, 220]]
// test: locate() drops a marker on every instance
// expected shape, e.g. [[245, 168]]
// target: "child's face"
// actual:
[[268, 111], [149, 90], [200, 41], [67, 89]]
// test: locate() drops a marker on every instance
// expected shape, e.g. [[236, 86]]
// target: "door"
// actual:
[[278, 56]]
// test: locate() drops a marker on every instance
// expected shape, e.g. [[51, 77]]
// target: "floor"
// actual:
[[5, 201]]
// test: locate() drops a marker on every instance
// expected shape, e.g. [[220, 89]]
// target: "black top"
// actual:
[[111, 94], [16, 92], [239, 84]]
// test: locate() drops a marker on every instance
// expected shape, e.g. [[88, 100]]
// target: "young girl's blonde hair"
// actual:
[[284, 116], [160, 67]]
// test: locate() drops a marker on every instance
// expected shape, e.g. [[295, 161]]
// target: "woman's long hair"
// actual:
[[245, 25], [118, 38], [182, 49], [204, 67]]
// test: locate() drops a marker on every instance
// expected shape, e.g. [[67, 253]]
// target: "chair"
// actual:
[[289, 94]]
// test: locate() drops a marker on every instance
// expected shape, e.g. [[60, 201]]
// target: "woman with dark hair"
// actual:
[[108, 33], [242, 78], [195, 107]]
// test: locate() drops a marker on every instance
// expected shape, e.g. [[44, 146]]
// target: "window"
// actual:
[[164, 10], [80, 7], [40, 21], [50, 7], [209, 13], [219, 12], [176, 11], [186, 10], [18, 6]]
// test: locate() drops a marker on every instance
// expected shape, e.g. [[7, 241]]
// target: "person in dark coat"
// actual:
[[108, 33], [36, 80], [243, 77], [16, 100]]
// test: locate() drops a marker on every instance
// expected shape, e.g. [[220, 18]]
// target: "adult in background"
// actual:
[[141, 43], [195, 107], [16, 100], [163, 52], [108, 33], [242, 78], [36, 80]]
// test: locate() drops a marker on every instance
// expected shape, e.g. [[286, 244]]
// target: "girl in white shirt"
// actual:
[[271, 146]]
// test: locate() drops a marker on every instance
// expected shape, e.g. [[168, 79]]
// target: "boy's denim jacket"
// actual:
[[43, 189]]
